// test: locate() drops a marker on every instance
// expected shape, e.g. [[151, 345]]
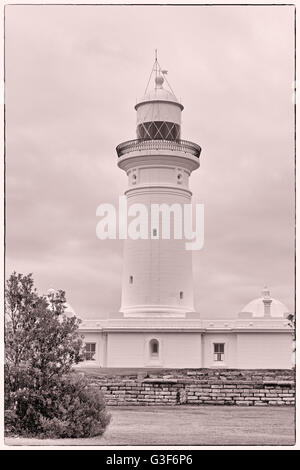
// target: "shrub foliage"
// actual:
[[43, 397]]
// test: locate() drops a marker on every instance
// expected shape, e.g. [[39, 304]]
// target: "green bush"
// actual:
[[71, 408], [43, 397], [79, 411]]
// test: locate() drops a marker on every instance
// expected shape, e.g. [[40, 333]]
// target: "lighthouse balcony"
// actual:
[[157, 144]]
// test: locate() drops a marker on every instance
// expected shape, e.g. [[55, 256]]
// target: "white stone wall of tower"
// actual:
[[159, 269]]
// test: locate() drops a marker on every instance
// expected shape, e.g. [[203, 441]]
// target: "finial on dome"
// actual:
[[267, 301], [159, 80], [266, 293]]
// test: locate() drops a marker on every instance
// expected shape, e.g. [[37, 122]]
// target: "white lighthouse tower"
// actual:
[[157, 270]]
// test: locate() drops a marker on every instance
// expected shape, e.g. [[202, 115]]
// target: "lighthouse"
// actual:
[[157, 270], [157, 324]]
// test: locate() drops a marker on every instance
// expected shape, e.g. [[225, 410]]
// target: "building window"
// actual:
[[154, 347], [154, 231], [90, 351], [130, 279], [181, 295], [219, 352]]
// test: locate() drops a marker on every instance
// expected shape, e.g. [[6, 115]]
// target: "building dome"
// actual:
[[159, 94], [265, 306], [69, 311]]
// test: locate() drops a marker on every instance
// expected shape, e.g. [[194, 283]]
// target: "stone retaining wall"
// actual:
[[199, 387]]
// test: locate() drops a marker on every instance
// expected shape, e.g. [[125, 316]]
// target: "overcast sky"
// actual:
[[73, 74]]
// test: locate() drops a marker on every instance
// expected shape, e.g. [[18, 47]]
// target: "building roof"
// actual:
[[278, 325]]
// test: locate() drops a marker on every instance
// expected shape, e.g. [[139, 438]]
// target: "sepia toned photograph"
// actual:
[[149, 226]]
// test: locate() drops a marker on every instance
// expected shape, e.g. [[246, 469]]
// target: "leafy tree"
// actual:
[[42, 344], [38, 333]]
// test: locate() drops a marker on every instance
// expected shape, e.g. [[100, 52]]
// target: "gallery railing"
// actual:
[[173, 145]]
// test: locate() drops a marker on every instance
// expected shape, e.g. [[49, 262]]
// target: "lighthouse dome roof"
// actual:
[[159, 93], [257, 306]]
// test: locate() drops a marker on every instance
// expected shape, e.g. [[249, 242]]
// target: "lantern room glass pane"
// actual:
[[158, 130]]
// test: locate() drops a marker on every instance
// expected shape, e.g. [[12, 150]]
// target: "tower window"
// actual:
[[130, 279], [219, 352], [154, 232], [181, 295], [90, 351], [154, 347]]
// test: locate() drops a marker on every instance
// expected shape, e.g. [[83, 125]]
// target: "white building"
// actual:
[[157, 325]]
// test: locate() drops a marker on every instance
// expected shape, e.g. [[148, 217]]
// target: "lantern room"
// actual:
[[159, 114]]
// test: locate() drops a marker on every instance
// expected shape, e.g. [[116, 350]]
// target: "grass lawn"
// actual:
[[188, 425]]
